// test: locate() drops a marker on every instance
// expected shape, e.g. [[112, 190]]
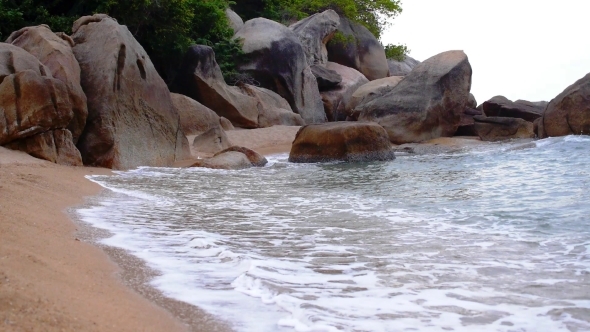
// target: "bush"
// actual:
[[396, 52]]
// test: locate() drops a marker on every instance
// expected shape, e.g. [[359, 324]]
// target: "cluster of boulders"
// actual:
[[95, 98]]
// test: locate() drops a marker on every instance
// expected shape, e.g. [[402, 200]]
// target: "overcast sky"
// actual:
[[521, 49]]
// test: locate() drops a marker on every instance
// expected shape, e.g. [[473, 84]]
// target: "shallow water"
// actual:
[[495, 238]]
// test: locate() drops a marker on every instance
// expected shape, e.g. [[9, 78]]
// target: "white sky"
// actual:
[[522, 49]]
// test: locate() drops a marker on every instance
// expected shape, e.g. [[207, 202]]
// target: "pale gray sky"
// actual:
[[522, 49]]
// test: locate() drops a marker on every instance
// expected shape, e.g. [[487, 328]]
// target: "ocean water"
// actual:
[[494, 238]]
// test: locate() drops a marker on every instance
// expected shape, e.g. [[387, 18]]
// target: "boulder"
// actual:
[[427, 103], [500, 106], [234, 20], [195, 118], [226, 124], [231, 160], [569, 112], [275, 58], [467, 124], [200, 78], [273, 110], [31, 100], [55, 145], [500, 128], [341, 141], [472, 102], [314, 32], [358, 49], [372, 90], [256, 159], [401, 68], [56, 54], [327, 79], [131, 118], [336, 100], [211, 141]]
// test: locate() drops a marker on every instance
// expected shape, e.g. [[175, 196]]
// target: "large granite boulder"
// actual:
[[234, 20], [341, 141], [401, 68], [467, 123], [500, 106], [472, 102], [230, 160], [500, 128], [55, 145], [200, 78], [255, 158], [327, 79], [211, 141], [370, 91], [275, 58], [336, 100], [56, 54], [131, 118], [31, 100], [195, 117], [427, 103], [359, 49], [314, 32], [273, 110], [569, 112]]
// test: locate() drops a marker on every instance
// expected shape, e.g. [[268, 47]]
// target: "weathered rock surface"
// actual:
[[195, 117], [235, 21], [273, 110], [467, 124], [427, 103], [372, 90], [231, 160], [472, 102], [341, 141], [327, 79], [500, 106], [500, 128], [31, 100], [55, 145], [314, 32], [200, 78], [131, 118], [336, 100], [401, 68], [255, 158], [211, 141], [56, 54], [226, 124], [275, 58], [569, 112], [359, 50]]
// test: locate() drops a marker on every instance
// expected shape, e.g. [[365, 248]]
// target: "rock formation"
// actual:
[[500, 128], [370, 91], [402, 68], [314, 32], [336, 100], [235, 21], [131, 118], [211, 141], [195, 117], [359, 49], [273, 110], [341, 141], [427, 103], [276, 59], [504, 107]]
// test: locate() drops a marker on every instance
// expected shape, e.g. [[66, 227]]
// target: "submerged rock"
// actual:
[[256, 159], [232, 160], [341, 141]]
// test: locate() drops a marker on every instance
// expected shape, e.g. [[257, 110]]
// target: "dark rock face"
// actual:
[[467, 124], [427, 103], [131, 119], [211, 141], [275, 58], [336, 100], [341, 141], [314, 32], [327, 79], [472, 102], [500, 128], [256, 159], [500, 106], [194, 117], [55, 145], [56, 54], [569, 112], [401, 68], [200, 78], [359, 50]]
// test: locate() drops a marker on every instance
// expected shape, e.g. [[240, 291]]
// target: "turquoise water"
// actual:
[[493, 238]]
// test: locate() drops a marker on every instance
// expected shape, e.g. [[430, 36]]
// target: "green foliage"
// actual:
[[396, 52]]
